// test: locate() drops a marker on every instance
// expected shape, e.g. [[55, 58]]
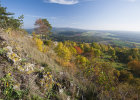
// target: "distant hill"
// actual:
[[119, 38], [67, 29], [56, 30], [29, 30]]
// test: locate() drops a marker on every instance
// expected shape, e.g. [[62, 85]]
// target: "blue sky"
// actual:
[[84, 14]]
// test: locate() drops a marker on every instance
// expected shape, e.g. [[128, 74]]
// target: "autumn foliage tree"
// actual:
[[135, 66], [43, 27], [78, 49], [82, 60], [63, 52]]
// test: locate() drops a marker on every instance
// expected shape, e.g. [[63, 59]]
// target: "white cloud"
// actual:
[[64, 2]]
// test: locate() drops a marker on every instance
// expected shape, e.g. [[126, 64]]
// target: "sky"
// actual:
[[83, 14]]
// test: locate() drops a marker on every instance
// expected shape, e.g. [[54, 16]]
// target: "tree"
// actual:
[[134, 52], [95, 45], [125, 76], [4, 17], [97, 52], [82, 60], [7, 21], [135, 66], [78, 50], [63, 52], [43, 27]]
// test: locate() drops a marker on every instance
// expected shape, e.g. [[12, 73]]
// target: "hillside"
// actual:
[[28, 71], [65, 71], [68, 64]]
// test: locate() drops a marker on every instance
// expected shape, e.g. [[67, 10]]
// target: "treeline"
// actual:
[[77, 38]]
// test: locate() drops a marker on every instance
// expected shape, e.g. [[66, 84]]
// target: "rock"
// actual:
[[28, 68], [68, 98], [42, 68], [61, 91], [55, 43], [9, 49], [12, 57]]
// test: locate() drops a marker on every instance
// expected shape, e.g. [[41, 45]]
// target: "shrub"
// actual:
[[8, 91], [39, 44], [63, 52], [135, 66], [125, 76], [82, 60], [48, 42]]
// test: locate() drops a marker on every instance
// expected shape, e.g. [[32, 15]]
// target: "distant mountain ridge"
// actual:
[[105, 36], [57, 30]]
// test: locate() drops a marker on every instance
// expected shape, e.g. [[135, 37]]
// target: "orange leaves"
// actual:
[[78, 49]]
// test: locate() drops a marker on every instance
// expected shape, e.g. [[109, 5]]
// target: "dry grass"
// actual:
[[26, 46], [18, 39]]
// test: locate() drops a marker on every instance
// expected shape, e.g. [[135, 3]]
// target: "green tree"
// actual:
[[95, 45], [82, 60], [8, 21], [97, 52]]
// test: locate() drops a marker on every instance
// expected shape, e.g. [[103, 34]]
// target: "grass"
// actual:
[[27, 48]]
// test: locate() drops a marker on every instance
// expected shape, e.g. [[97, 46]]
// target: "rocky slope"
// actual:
[[23, 77]]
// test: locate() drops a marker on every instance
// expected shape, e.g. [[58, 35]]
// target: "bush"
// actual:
[[125, 76], [8, 89], [134, 66], [63, 52], [82, 60], [39, 44]]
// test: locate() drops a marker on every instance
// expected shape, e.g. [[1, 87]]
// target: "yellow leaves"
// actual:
[[7, 84], [47, 81], [13, 55], [21, 68], [63, 51], [47, 85], [45, 48], [9, 74], [39, 44], [6, 92], [73, 50], [82, 60]]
